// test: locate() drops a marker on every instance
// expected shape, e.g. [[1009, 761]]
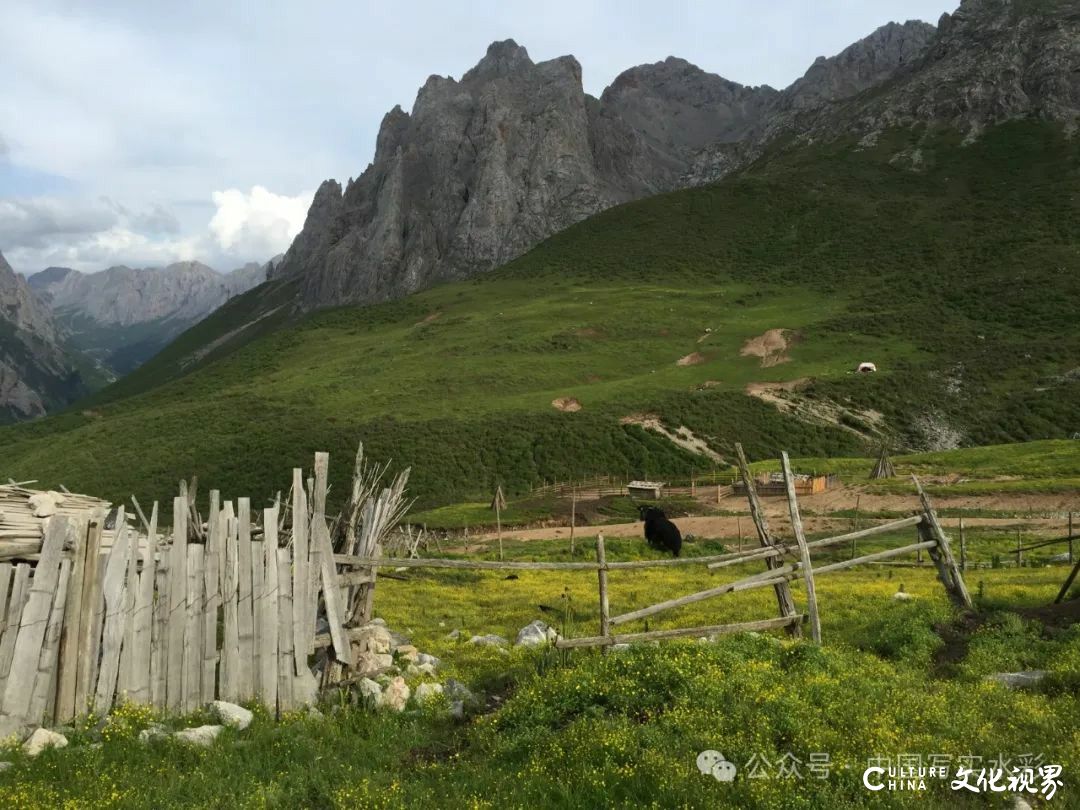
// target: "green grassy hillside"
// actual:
[[959, 279]]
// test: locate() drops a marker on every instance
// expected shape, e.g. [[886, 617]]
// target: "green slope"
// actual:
[[960, 280]]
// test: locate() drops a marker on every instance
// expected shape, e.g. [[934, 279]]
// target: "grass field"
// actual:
[[589, 731], [960, 281]]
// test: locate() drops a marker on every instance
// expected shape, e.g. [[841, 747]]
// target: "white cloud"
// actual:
[[258, 222]]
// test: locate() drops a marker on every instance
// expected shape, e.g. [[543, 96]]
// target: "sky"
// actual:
[[143, 132]]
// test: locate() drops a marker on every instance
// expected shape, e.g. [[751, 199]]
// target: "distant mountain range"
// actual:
[[122, 316], [64, 333]]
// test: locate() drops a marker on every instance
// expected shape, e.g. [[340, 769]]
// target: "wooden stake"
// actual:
[[948, 570], [855, 527], [498, 525], [573, 518], [804, 552], [601, 573], [1019, 550], [783, 590], [963, 546], [1070, 538]]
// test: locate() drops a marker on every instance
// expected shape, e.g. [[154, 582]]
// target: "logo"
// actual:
[[712, 763]]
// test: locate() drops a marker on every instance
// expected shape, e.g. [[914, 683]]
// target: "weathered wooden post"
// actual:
[[1019, 550], [855, 527], [963, 546], [782, 589], [573, 517], [1070, 539], [601, 572], [948, 570], [804, 552]]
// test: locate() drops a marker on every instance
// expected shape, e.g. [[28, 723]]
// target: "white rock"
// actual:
[[1018, 680], [378, 621], [620, 647], [454, 635], [457, 709], [408, 652], [396, 694], [490, 640], [202, 736], [428, 691], [412, 670], [425, 669], [424, 658], [41, 739], [369, 689], [457, 691], [5, 765], [231, 715], [154, 732], [535, 633], [903, 596], [1020, 803]]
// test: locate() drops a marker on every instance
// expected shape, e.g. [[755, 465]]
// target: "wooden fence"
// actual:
[[222, 610], [784, 561]]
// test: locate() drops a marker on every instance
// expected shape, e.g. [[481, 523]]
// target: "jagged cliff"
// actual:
[[36, 374]]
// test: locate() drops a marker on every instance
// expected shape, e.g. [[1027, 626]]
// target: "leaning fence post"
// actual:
[[1070, 539], [804, 552], [601, 572], [963, 546], [943, 558], [783, 589]]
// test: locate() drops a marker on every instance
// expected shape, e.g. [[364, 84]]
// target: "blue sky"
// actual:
[[147, 132]]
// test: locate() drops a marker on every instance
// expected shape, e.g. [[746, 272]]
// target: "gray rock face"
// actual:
[[36, 373], [484, 168]]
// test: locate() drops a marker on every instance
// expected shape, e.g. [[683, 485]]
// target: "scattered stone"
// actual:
[[153, 732], [202, 736], [457, 709], [428, 691], [314, 713], [424, 658], [231, 715], [903, 596], [5, 765], [41, 739], [378, 621], [369, 690], [425, 669], [373, 638], [369, 664], [535, 633], [396, 694], [454, 635], [1018, 680], [490, 640], [457, 691], [412, 670], [1060, 557], [620, 647], [1020, 803], [399, 639], [408, 652]]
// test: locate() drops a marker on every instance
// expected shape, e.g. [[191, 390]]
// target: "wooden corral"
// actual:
[[645, 490], [773, 485]]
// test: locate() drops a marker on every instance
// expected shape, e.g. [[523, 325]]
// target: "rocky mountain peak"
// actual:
[[502, 59]]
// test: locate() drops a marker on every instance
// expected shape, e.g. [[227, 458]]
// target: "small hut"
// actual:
[[647, 490], [884, 467]]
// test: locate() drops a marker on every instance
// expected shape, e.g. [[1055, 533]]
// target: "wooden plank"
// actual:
[[20, 585], [68, 654], [131, 588], [332, 593], [784, 599], [244, 617], [44, 690], [114, 589], [493, 565], [258, 598], [301, 576], [193, 627], [212, 598], [656, 635], [804, 552], [159, 631], [952, 578], [286, 657], [230, 639], [7, 570], [88, 639], [601, 574], [144, 616], [19, 685], [269, 635], [174, 671], [317, 489]]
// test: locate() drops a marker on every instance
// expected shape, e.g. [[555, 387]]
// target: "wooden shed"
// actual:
[[645, 490]]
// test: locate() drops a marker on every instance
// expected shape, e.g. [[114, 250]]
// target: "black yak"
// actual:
[[660, 533]]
